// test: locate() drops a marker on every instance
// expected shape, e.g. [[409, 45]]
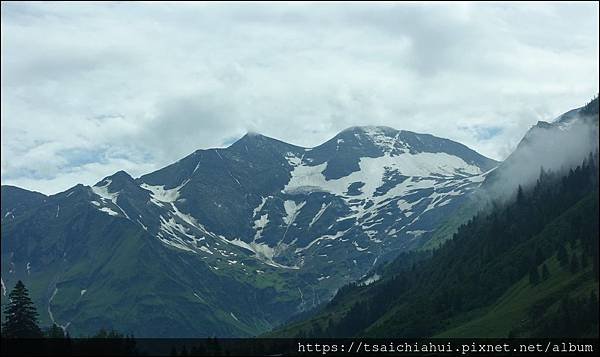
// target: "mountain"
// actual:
[[19, 201], [527, 268], [556, 146], [519, 258], [233, 241]]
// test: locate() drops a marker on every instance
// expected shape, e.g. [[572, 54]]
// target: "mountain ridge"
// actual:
[[276, 220]]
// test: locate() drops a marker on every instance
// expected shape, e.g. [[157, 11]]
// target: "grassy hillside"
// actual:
[[511, 314], [450, 227]]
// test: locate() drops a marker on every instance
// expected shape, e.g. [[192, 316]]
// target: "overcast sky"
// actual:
[[90, 89]]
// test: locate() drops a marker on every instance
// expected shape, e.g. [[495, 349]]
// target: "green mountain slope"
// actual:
[[512, 314], [112, 274]]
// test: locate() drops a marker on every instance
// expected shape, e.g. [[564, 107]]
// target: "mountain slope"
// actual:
[[16, 201], [488, 281], [557, 146], [87, 270], [512, 314], [232, 241]]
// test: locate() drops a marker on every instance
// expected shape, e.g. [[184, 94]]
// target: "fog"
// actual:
[[555, 147]]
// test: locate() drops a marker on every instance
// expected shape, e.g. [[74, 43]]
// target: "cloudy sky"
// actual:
[[89, 89]]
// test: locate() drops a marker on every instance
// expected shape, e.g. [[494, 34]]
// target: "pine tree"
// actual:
[[534, 276], [545, 272], [520, 196], [20, 315], [543, 175], [539, 256], [584, 261], [574, 263], [561, 255], [317, 330]]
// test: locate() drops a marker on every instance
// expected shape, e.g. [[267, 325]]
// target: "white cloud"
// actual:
[[88, 89]]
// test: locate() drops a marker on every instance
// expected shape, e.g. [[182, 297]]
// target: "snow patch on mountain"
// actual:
[[318, 240], [188, 219], [292, 159], [141, 224], [441, 199], [416, 233], [319, 214], [170, 225], [108, 211], [159, 193], [358, 247], [206, 250], [306, 178], [199, 298], [259, 207], [175, 242], [381, 139], [49, 302], [261, 222], [291, 211], [262, 252], [404, 206], [370, 280], [259, 225], [104, 193]]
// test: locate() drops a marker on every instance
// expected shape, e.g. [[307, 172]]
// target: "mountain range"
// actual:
[[236, 241]]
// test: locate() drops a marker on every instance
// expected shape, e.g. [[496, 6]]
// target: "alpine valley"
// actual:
[[237, 241]]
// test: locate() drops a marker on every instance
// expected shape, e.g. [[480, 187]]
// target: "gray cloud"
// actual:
[[88, 89]]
